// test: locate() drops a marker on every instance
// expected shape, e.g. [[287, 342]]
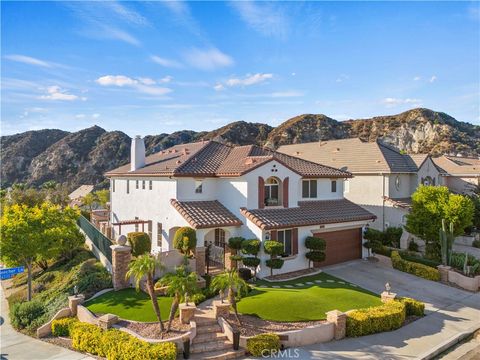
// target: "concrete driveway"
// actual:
[[450, 313]]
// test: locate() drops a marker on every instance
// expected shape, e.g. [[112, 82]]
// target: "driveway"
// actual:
[[450, 312], [17, 346]]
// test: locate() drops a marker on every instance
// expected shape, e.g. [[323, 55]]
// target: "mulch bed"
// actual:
[[252, 325], [152, 330]]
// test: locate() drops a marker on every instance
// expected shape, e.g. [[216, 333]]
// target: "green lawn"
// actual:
[[130, 305], [307, 302]]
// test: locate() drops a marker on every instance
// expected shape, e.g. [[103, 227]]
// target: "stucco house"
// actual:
[[460, 174], [384, 179], [223, 191]]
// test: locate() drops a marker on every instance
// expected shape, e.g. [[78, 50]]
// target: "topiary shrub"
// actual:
[[412, 306], [317, 249], [251, 247], [236, 242], [392, 236], [273, 248], [140, 243], [263, 345], [24, 314], [276, 263], [185, 240], [416, 269], [61, 327], [252, 262], [386, 317], [315, 256]]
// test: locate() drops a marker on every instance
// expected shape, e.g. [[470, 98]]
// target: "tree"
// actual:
[[31, 234], [144, 266], [235, 243], [317, 249], [178, 284], [431, 204], [103, 197], [233, 283], [89, 201], [274, 249], [251, 247]]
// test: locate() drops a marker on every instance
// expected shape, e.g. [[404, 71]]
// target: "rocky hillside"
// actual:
[[35, 157]]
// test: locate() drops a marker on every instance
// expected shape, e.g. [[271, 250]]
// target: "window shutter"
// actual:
[[285, 192], [261, 192], [273, 235], [295, 241]]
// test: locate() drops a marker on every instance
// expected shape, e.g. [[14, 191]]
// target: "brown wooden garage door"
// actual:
[[342, 245]]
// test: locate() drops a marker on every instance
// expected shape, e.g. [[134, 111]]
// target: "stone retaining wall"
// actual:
[[46, 329], [85, 315], [465, 282]]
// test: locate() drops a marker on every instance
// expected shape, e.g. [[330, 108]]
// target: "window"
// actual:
[[136, 184], [150, 185], [397, 183], [220, 238], [272, 192], [309, 188], [198, 186], [128, 186], [159, 235], [136, 224], [285, 237], [334, 186], [113, 185], [143, 184]]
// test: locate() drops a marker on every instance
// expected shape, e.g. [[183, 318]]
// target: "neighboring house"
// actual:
[[77, 195], [384, 179], [460, 174], [223, 191]]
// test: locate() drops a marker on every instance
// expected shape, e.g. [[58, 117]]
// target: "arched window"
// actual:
[[272, 191]]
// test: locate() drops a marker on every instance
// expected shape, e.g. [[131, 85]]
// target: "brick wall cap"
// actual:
[[120, 248]]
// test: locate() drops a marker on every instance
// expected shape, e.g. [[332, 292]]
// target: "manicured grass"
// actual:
[[307, 302], [129, 304]]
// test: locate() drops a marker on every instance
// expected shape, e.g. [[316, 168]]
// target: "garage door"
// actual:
[[342, 245]]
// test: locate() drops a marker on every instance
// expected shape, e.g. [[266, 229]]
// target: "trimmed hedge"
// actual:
[[412, 306], [117, 345], [273, 247], [416, 269], [386, 317], [274, 263], [61, 327], [185, 240], [235, 242], [140, 243], [315, 243], [251, 261], [263, 345], [251, 246], [316, 256]]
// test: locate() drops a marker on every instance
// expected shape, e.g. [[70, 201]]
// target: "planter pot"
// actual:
[[465, 282]]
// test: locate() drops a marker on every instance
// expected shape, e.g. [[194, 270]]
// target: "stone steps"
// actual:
[[218, 355], [213, 345], [206, 337], [208, 328]]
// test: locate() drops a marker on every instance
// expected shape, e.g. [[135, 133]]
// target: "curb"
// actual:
[[437, 350]]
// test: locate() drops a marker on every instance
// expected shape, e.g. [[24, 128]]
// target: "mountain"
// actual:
[[82, 157]]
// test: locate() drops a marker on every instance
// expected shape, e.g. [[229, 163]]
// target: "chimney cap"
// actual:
[[138, 136]]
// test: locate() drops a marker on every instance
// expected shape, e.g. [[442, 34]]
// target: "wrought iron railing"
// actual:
[[99, 240]]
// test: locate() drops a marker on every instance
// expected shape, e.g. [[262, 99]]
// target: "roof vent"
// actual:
[[179, 162], [249, 161]]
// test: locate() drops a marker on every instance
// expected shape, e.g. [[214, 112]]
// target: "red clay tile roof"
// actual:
[[405, 203], [213, 159], [205, 214], [308, 213]]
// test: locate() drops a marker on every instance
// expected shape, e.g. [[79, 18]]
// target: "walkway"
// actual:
[[17, 346], [450, 313]]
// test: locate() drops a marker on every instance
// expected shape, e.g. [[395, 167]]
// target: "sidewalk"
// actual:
[[17, 346]]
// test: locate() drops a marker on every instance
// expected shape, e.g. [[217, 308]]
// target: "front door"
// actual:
[[215, 251]]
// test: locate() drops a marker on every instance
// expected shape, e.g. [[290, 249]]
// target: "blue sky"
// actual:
[[153, 67]]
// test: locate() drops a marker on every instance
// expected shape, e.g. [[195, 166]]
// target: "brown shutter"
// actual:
[[285, 192], [261, 192], [294, 241], [273, 235]]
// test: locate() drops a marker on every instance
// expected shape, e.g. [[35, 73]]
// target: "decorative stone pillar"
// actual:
[[187, 312], [388, 296], [221, 309], [200, 260], [74, 301], [339, 319], [106, 321], [228, 262], [121, 256], [443, 270]]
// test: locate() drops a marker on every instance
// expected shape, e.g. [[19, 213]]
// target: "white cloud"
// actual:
[[95, 116], [342, 78], [28, 60], [248, 80], [417, 78], [265, 18], [209, 59], [392, 102], [80, 116], [433, 79], [57, 93], [165, 62], [219, 87], [283, 94], [144, 85], [166, 79], [125, 14]]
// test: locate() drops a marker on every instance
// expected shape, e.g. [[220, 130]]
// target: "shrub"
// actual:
[[316, 256], [476, 243], [412, 246], [273, 248], [412, 306], [251, 261], [198, 298], [245, 273], [87, 338], [386, 317], [392, 236], [274, 263], [251, 246], [185, 240], [416, 269], [24, 314], [414, 258], [263, 344], [374, 236], [140, 243], [381, 249], [235, 242], [61, 327], [315, 243], [457, 261]]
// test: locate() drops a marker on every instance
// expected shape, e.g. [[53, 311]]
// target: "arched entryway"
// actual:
[[215, 243]]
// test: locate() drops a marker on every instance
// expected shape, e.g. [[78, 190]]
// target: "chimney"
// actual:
[[137, 153]]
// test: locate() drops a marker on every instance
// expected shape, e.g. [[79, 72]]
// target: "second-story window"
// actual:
[[272, 192], [334, 186], [150, 185], [143, 184], [136, 184], [198, 186], [128, 186], [309, 188]]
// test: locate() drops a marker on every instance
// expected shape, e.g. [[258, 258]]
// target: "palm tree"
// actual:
[[231, 281], [178, 284], [144, 266]]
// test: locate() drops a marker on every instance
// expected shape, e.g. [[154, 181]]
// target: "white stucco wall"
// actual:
[[461, 185], [429, 169]]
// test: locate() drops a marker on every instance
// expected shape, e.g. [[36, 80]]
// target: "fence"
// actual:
[[98, 239]]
